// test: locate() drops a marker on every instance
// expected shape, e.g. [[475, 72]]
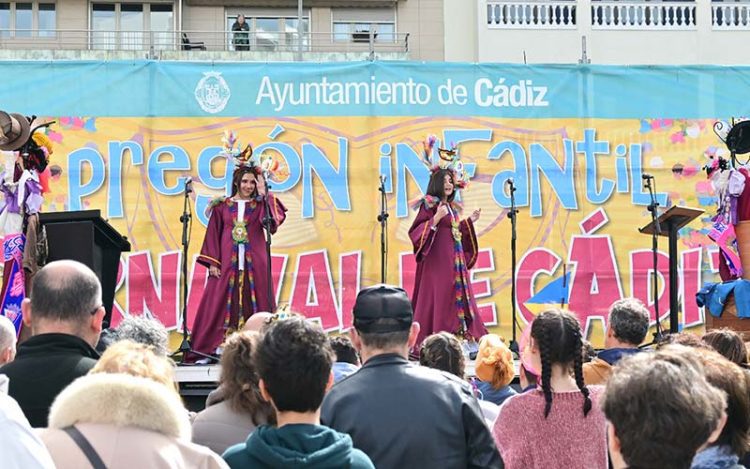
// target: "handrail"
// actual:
[[197, 40]]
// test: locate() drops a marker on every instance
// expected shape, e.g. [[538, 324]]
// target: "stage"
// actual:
[[197, 381]]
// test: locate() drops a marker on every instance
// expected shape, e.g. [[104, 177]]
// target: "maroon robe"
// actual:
[[218, 247], [436, 287]]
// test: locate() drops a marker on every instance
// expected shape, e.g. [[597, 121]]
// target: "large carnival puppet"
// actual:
[[26, 151], [234, 251], [446, 248]]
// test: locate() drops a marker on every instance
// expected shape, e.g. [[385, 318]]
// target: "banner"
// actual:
[[575, 139]]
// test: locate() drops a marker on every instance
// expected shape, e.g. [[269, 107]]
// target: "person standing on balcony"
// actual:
[[241, 34]]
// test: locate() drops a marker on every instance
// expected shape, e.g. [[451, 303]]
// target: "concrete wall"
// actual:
[[460, 26]]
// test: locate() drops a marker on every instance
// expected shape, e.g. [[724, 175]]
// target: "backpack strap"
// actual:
[[85, 446]]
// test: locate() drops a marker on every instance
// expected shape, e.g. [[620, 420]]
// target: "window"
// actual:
[[272, 30], [357, 24], [103, 25], [27, 19], [4, 19], [132, 26], [162, 26], [47, 20], [24, 20]]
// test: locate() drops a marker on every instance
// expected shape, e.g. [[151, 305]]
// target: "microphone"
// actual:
[[646, 176], [382, 179], [509, 181], [188, 185]]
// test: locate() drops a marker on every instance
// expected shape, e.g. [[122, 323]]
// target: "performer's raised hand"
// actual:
[[261, 184], [475, 215], [441, 212], [214, 271]]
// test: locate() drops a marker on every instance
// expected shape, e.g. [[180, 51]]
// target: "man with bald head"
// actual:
[[65, 315]]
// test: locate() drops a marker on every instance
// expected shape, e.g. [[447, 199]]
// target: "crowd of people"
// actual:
[[73, 396]]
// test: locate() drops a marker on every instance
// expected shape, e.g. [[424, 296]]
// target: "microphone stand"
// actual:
[[383, 220], [513, 346], [650, 183], [187, 221], [268, 224]]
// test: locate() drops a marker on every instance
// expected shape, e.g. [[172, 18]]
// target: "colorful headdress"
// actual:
[[230, 148], [266, 165], [448, 158]]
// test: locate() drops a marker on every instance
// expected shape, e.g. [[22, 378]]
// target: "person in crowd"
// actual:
[[347, 359], [443, 351], [445, 248], [294, 361], [627, 326], [561, 424], [687, 339], [728, 343], [661, 409], [375, 404], [494, 368], [258, 321], [241, 33], [20, 447], [65, 314], [234, 252], [589, 352], [144, 330], [734, 441], [129, 412], [7, 341], [241, 408]]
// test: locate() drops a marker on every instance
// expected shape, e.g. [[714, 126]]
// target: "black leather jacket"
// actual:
[[407, 416]]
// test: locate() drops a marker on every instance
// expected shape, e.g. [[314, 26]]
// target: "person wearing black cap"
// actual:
[[398, 413]]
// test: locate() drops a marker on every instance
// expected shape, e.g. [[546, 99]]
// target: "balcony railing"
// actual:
[[220, 41], [531, 15], [641, 15], [730, 16]]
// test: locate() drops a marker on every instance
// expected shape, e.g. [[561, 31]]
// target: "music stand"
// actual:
[[671, 221]]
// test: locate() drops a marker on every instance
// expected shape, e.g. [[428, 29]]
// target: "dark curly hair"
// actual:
[[557, 334], [443, 351], [294, 361], [239, 377]]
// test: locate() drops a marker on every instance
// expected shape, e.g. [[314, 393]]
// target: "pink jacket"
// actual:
[[130, 421]]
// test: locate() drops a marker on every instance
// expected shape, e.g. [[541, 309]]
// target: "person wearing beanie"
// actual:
[[494, 368]]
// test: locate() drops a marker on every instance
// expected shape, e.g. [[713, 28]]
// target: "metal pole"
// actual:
[[300, 42]]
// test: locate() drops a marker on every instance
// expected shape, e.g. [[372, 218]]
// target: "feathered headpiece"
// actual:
[[448, 158], [230, 148], [266, 165]]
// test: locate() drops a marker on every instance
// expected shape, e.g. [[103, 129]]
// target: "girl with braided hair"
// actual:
[[560, 424]]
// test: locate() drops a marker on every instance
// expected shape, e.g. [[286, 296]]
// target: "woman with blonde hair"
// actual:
[[242, 409], [494, 368], [125, 413]]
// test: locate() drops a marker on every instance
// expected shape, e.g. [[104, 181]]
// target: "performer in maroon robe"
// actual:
[[235, 289], [445, 248]]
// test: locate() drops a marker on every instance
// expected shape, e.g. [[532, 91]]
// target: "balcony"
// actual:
[[200, 45], [730, 16], [531, 15], [643, 15], [617, 32]]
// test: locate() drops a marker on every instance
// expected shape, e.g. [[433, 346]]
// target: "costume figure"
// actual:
[[234, 251], [24, 180], [446, 248]]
